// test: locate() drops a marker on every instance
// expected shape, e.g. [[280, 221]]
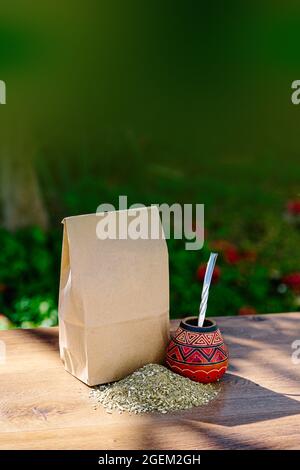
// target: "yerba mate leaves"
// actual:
[[153, 388]]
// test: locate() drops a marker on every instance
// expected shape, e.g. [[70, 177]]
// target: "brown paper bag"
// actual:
[[113, 301]]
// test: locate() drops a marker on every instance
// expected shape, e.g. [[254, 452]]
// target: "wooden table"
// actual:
[[43, 407]]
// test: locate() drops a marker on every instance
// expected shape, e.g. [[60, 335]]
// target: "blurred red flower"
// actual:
[[3, 287], [221, 245], [247, 310], [201, 273], [231, 253], [293, 207], [292, 280], [249, 255]]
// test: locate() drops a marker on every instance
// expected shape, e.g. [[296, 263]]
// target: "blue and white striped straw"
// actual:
[[206, 284]]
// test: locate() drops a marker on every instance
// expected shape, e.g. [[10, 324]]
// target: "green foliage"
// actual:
[[29, 269], [35, 311], [29, 276], [243, 284], [253, 222]]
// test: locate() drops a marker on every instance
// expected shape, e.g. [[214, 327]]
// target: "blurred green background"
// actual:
[[164, 101]]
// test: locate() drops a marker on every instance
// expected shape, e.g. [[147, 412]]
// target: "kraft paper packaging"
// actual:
[[113, 300]]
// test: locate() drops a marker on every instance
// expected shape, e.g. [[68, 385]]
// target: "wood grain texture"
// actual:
[[44, 407]]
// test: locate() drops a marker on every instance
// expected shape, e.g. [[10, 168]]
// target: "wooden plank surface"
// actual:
[[44, 407]]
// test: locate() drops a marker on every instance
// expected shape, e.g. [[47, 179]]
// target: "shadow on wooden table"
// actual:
[[242, 401], [48, 336], [264, 342], [217, 425], [260, 349]]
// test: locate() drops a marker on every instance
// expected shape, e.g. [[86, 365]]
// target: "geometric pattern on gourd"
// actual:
[[217, 338], [218, 356], [195, 338], [200, 356], [203, 339], [223, 348], [181, 338], [208, 352], [197, 357], [198, 339], [175, 353], [186, 350], [203, 355], [170, 347]]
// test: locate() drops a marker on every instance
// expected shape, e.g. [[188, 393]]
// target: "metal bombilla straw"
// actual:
[[205, 290]]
